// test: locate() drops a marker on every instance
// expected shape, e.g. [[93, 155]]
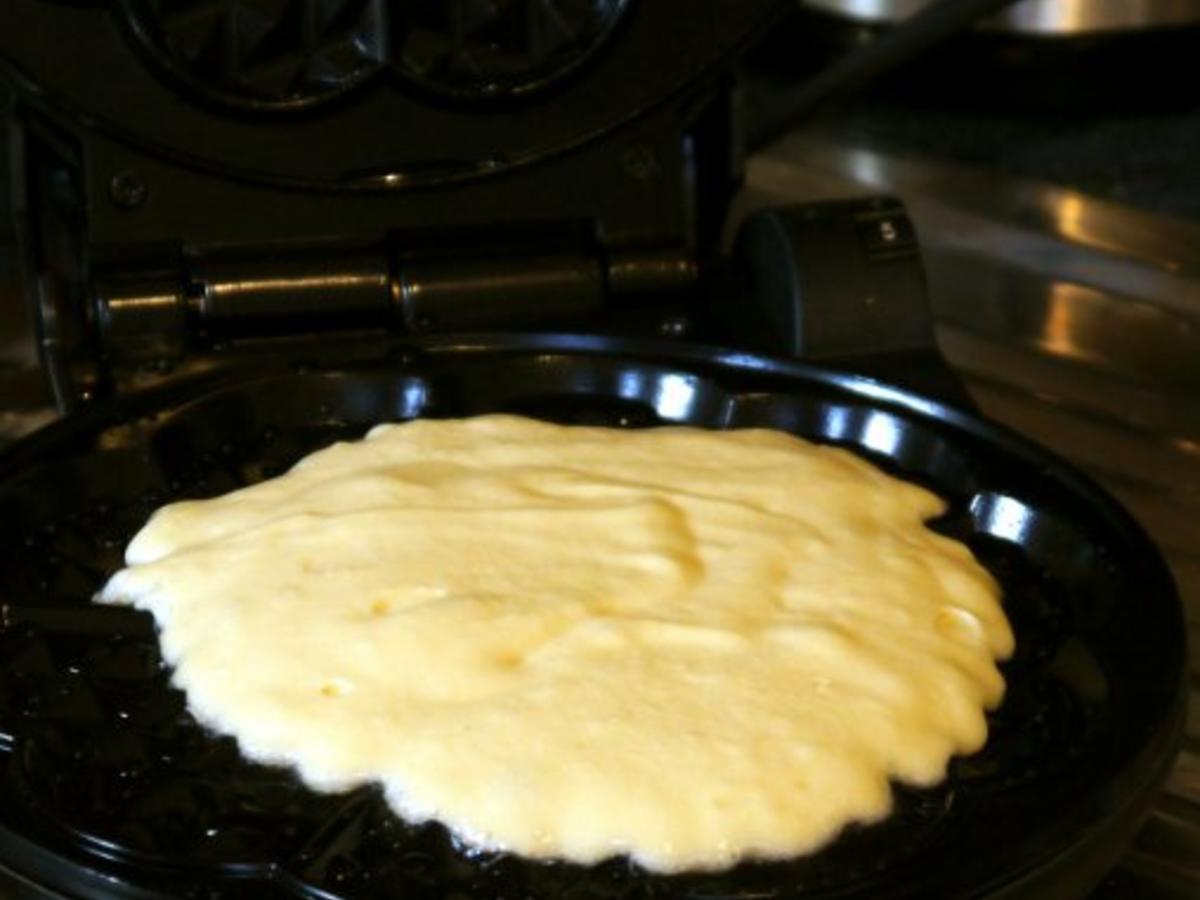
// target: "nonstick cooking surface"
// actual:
[[108, 786]]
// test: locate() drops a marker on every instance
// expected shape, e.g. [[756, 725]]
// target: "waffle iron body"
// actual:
[[269, 228]]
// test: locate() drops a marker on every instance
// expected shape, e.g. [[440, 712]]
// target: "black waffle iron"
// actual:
[[248, 228]]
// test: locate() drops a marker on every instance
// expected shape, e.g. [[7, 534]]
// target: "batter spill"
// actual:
[[689, 646]]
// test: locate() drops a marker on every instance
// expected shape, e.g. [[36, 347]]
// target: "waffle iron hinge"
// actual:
[[158, 315]]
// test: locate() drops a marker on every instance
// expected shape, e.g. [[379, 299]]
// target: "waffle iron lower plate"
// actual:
[[108, 788]]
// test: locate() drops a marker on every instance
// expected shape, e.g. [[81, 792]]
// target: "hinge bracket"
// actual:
[[166, 312]]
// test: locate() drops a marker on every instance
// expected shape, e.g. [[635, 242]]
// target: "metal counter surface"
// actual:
[[1075, 321]]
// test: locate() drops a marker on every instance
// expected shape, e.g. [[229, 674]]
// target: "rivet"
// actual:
[[128, 190]]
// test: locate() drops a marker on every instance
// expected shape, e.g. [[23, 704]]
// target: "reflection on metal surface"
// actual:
[[414, 399], [1037, 17], [1146, 342], [1077, 322], [1057, 336], [836, 423], [330, 283], [674, 396], [882, 433], [1076, 219], [629, 385], [1002, 517], [154, 301], [1073, 224]]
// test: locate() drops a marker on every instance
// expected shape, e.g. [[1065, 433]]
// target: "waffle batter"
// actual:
[[689, 646]]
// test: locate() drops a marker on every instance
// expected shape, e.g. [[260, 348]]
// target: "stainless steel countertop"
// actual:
[[1075, 321]]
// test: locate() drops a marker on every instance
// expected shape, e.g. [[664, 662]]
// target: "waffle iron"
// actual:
[[250, 228]]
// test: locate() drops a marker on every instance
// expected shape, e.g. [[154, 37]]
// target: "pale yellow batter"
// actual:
[[684, 645]]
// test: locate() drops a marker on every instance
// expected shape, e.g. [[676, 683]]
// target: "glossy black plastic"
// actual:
[[352, 99], [109, 788], [273, 57]]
